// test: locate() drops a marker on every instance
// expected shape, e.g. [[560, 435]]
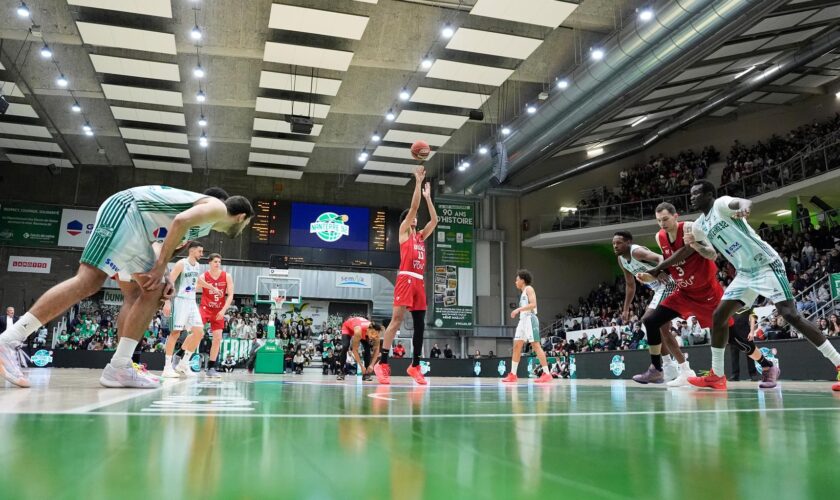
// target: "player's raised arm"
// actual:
[[433, 219], [405, 225], [208, 210], [740, 208]]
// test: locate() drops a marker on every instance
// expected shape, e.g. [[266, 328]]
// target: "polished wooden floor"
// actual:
[[312, 437]]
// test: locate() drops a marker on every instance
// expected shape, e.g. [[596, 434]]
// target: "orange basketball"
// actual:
[[420, 150]]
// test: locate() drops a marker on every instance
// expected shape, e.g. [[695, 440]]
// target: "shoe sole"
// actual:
[[20, 382]]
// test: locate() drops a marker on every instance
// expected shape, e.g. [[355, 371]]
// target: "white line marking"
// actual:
[[120, 399], [446, 415], [380, 397]]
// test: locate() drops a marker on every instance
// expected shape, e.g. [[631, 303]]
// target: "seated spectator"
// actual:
[[399, 351], [228, 364]]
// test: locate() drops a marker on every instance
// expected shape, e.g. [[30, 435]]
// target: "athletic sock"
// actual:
[[20, 330], [717, 360], [122, 356], [684, 366], [765, 363], [826, 349], [186, 359], [167, 363], [667, 359], [656, 361], [383, 356], [513, 366]]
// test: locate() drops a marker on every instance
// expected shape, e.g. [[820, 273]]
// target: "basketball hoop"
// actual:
[[278, 298]]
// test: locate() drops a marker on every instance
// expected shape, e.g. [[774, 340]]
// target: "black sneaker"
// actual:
[[340, 376], [367, 377]]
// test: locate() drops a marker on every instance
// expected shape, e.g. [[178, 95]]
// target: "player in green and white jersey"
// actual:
[[528, 329], [127, 226], [759, 269]]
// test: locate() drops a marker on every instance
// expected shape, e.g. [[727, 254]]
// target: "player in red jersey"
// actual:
[[354, 331], [213, 307], [691, 265], [410, 291]]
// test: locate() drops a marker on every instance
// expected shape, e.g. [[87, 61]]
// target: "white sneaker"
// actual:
[[126, 377], [671, 371], [184, 370], [10, 365], [682, 380], [169, 372]]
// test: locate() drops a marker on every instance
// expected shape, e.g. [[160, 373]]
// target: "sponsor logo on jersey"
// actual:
[[104, 232], [330, 227], [160, 233], [733, 248], [617, 365], [110, 263], [74, 227]]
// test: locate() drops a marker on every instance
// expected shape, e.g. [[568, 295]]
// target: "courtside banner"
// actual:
[[75, 227], [39, 265], [452, 274]]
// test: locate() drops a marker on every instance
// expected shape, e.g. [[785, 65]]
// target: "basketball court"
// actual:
[[304, 437]]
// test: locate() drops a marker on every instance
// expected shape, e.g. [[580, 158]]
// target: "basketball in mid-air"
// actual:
[[420, 150]]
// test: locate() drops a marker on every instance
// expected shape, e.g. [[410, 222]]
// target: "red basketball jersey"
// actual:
[[696, 274], [209, 299], [348, 326], [413, 254]]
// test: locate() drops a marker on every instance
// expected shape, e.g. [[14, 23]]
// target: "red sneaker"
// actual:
[[544, 378], [836, 387], [511, 377], [383, 373], [416, 373], [711, 381]]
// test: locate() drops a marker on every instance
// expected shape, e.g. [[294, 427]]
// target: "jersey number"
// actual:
[[680, 270]]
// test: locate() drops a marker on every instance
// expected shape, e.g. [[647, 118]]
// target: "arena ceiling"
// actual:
[[130, 67]]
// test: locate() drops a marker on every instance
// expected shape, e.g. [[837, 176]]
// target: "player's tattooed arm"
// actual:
[[706, 250]]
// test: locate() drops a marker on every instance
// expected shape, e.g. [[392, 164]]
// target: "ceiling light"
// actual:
[[200, 96], [23, 10], [505, 131], [562, 84], [404, 95], [531, 109], [466, 164], [198, 72], [837, 95], [202, 141], [202, 121], [597, 54], [447, 31], [88, 132], [646, 15], [782, 213], [363, 156], [87, 128], [463, 166], [375, 137], [594, 152], [390, 116], [75, 107], [638, 121], [46, 53], [62, 81], [195, 34], [482, 150], [426, 64]]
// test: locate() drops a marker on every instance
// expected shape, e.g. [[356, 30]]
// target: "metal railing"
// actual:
[[820, 156]]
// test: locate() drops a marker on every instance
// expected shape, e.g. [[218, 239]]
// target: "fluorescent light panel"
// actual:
[[144, 149], [163, 165], [409, 137], [153, 135], [147, 115], [39, 160], [159, 8], [24, 130], [494, 44], [385, 166], [284, 107], [313, 57], [319, 22], [470, 73], [382, 179], [274, 172], [394, 152], [281, 127], [431, 119], [282, 144], [139, 94], [299, 83], [8, 143], [25, 110], [550, 13], [126, 38], [135, 67], [453, 98], [295, 161]]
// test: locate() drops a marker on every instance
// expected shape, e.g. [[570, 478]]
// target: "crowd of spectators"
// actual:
[[770, 158]]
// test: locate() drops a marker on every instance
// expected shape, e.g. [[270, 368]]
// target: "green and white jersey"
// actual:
[[733, 238], [523, 301], [187, 281], [635, 266], [158, 206]]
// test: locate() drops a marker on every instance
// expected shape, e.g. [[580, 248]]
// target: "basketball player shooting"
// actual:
[[410, 291]]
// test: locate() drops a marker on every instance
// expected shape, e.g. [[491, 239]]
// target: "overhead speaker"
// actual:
[[825, 207], [300, 124], [53, 169], [499, 157], [477, 115], [4, 105]]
